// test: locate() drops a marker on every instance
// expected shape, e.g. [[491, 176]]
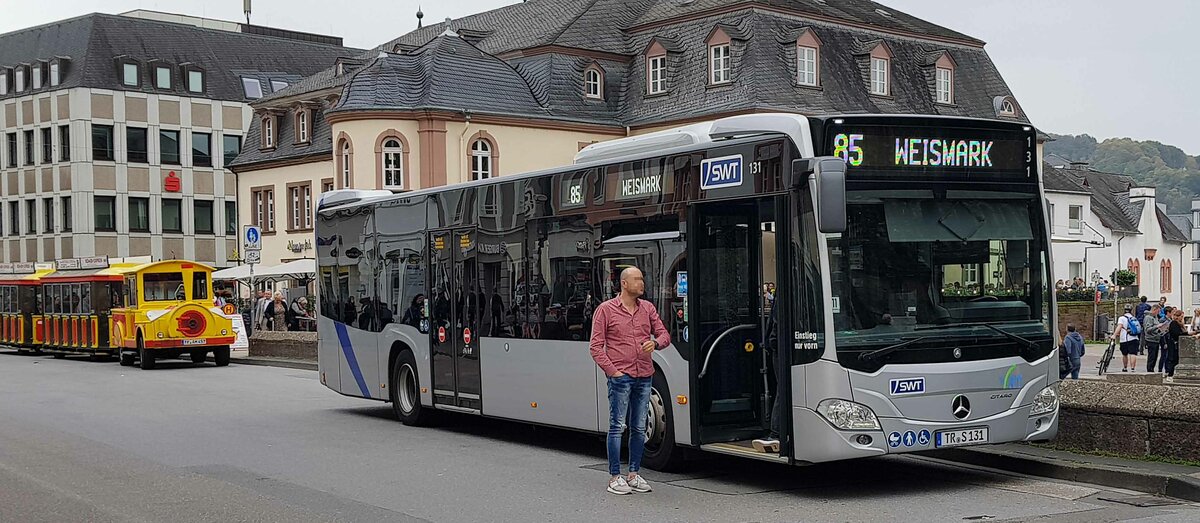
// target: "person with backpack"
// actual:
[[1128, 332], [1073, 347]]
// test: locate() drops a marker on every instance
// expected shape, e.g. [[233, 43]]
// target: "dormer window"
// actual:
[[720, 63], [593, 83], [808, 60], [252, 87], [37, 76], [302, 121], [3, 83], [55, 74], [129, 74], [657, 69], [880, 69], [945, 85], [268, 132], [1007, 108], [278, 85], [195, 81], [162, 77], [20, 82]]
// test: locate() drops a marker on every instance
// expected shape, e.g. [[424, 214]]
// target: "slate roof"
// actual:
[[1110, 200], [93, 42], [1183, 222], [319, 146]]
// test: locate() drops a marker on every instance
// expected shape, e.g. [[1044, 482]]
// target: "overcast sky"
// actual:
[[1103, 67]]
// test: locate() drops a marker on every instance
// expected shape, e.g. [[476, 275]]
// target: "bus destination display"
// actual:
[[903, 149]]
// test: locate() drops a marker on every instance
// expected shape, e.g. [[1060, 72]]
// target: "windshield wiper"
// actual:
[[1032, 346], [878, 353]]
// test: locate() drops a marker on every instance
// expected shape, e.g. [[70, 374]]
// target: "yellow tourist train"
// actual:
[[138, 312]]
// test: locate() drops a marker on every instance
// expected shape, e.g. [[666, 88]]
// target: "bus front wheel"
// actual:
[[406, 400], [661, 452]]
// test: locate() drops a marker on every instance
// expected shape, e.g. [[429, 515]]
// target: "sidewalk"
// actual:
[[1163, 479], [1090, 363], [242, 357]]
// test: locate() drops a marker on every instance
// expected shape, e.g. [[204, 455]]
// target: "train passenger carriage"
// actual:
[[77, 302], [21, 324]]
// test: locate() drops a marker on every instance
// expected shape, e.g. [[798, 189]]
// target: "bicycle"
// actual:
[[1107, 357]]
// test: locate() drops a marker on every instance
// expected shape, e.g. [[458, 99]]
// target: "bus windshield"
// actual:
[[918, 263]]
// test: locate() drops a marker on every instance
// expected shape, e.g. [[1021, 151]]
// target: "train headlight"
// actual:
[[848, 415], [224, 332], [160, 335], [1045, 401]]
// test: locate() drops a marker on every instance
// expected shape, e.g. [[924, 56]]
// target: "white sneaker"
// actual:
[[619, 486], [638, 484]]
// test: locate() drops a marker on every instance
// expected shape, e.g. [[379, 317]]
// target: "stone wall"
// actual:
[[1130, 419], [284, 344]]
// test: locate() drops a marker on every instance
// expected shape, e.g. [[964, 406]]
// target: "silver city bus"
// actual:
[[894, 268]]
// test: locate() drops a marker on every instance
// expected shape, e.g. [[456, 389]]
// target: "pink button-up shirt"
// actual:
[[617, 337]]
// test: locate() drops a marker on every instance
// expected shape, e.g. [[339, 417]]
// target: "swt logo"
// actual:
[[721, 172], [902, 386]]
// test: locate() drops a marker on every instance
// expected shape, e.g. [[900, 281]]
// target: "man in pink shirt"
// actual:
[[625, 330]]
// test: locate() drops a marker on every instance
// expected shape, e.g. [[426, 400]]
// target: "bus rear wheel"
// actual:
[[661, 452], [406, 400], [221, 356]]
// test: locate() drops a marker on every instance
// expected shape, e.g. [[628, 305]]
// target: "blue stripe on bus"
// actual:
[[351, 361]]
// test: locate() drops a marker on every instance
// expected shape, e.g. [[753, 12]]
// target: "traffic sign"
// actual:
[[252, 237], [254, 256]]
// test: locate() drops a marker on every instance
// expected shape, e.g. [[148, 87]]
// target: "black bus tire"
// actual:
[[221, 356], [661, 452], [146, 357], [405, 393]]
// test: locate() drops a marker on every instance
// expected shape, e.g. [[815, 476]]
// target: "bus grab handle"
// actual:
[[704, 368]]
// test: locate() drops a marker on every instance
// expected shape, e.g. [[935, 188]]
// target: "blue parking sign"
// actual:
[[681, 285]]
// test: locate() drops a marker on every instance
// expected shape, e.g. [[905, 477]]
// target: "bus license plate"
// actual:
[[954, 438], [195, 342]]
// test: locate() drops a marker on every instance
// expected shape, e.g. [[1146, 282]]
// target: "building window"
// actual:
[[29, 147], [252, 87], [593, 83], [12, 149], [1075, 269], [48, 145], [945, 85], [14, 218], [393, 164], [31, 215], [195, 81], [1007, 108], [232, 146], [268, 132], [481, 160], [278, 85], [129, 75], [137, 145], [1164, 275], [1135, 266], [162, 77], [300, 206], [55, 77], [168, 147], [102, 142], [172, 215], [201, 149], [230, 218], [970, 273], [719, 63], [264, 208], [302, 126], [3, 83], [139, 214], [37, 77], [66, 213], [48, 215], [657, 76], [879, 76], [327, 185], [64, 143], [345, 163], [1196, 283], [1075, 219], [203, 210], [20, 75], [806, 65]]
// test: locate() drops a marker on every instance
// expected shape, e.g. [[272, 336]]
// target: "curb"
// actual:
[[1162, 484], [272, 362]]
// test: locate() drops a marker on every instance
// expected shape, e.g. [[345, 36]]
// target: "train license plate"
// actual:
[[954, 438], [195, 342]]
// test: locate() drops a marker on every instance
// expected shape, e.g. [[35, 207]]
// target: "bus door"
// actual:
[[732, 262], [457, 306]]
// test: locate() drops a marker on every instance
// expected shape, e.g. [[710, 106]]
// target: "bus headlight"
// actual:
[[1045, 401], [848, 415]]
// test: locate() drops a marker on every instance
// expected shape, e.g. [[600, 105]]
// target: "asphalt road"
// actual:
[[87, 441]]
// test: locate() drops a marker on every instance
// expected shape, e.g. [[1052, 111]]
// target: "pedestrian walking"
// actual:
[[260, 308], [1175, 332], [1073, 345], [275, 316], [1153, 330], [1128, 329], [625, 331]]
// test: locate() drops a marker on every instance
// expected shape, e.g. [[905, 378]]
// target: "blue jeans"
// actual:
[[1075, 364], [623, 392]]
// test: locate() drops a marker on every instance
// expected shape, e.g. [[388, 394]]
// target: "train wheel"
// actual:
[[221, 355], [146, 357], [127, 358], [198, 356], [59, 356]]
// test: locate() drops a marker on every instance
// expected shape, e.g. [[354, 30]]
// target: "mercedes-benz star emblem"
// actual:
[[961, 407], [957, 353]]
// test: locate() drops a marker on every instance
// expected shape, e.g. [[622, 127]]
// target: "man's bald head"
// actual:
[[633, 284]]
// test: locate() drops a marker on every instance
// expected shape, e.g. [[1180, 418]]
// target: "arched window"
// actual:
[[481, 160], [1007, 108], [593, 83], [393, 164], [1136, 267], [1164, 274], [345, 164]]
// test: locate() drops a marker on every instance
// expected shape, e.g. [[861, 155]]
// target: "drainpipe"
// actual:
[[626, 130], [1182, 301], [465, 171]]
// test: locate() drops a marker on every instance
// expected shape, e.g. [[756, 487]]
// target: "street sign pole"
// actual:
[[252, 238]]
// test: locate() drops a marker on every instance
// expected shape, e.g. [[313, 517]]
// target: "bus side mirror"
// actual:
[[830, 175]]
